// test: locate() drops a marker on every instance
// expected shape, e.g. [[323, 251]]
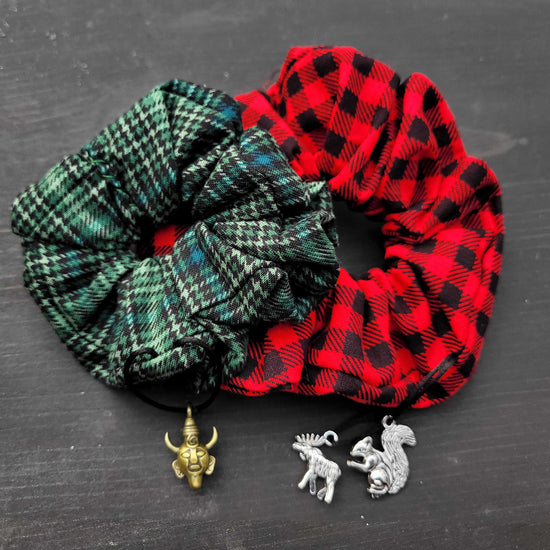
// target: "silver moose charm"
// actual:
[[318, 466], [386, 470]]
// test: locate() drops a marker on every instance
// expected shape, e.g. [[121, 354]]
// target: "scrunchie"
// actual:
[[391, 149], [257, 246]]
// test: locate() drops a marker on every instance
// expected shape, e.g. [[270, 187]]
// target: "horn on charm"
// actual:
[[214, 439], [169, 444], [193, 460]]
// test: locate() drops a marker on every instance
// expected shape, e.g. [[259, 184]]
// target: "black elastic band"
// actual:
[[433, 376], [196, 407], [422, 387]]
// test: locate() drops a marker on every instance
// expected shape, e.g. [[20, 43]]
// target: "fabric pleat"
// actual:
[[390, 149], [257, 245]]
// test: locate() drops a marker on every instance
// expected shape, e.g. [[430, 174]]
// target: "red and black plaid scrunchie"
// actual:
[[391, 149]]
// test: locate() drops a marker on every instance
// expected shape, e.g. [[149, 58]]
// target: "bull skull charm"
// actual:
[[387, 471], [193, 459]]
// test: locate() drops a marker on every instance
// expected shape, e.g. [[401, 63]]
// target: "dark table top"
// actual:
[[83, 466]]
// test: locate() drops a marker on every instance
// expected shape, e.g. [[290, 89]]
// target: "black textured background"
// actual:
[[82, 466]]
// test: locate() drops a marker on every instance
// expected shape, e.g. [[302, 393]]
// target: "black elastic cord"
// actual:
[[196, 407], [351, 421], [421, 388]]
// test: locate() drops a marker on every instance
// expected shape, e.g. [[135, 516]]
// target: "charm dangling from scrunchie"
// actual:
[[317, 465]]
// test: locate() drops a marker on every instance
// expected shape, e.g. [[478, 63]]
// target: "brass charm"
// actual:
[[193, 459]]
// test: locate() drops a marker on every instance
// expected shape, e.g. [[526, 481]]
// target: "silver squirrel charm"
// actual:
[[318, 466], [387, 471]]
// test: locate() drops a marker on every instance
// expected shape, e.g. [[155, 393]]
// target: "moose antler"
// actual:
[[314, 440]]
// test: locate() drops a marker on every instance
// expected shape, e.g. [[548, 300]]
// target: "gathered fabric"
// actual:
[[253, 245], [241, 255], [391, 149]]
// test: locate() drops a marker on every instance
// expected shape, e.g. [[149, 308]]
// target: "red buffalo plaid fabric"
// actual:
[[391, 149]]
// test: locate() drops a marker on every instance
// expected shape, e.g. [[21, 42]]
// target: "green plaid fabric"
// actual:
[[259, 249]]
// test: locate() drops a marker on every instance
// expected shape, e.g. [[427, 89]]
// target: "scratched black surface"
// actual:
[[82, 466]]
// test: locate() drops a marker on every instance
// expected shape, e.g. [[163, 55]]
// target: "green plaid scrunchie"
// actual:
[[259, 248]]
